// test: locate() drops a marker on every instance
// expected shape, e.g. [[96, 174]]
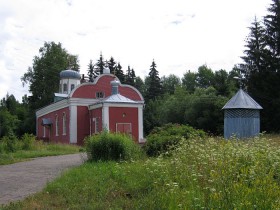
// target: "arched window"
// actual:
[[56, 125], [65, 88], [64, 123], [44, 131], [72, 86]]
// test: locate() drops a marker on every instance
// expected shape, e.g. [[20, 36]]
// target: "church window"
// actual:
[[72, 86], [65, 87], [64, 124], [44, 131], [99, 95], [56, 125]]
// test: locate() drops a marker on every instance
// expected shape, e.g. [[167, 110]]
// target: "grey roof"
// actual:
[[46, 121], [118, 98], [70, 74], [241, 100]]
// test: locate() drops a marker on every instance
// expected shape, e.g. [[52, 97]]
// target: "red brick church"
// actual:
[[83, 109]]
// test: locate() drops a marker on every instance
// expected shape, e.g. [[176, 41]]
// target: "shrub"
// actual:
[[28, 141], [161, 139], [111, 146], [10, 143]]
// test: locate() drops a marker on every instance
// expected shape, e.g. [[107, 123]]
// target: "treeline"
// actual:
[[261, 66]]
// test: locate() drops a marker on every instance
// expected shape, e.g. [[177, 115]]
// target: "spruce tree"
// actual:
[[154, 88], [261, 66], [100, 65], [119, 73], [130, 76], [112, 65], [91, 73]]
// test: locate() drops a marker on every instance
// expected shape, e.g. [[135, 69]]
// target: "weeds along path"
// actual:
[[20, 180]]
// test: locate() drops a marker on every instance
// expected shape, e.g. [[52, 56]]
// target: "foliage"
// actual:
[[261, 66], [91, 71], [170, 83], [14, 150], [130, 76], [154, 87], [43, 76], [162, 139], [208, 174], [201, 109], [100, 65], [119, 73], [110, 146]]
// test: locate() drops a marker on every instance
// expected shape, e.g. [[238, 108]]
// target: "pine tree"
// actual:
[[119, 73], [130, 76], [261, 66], [254, 59], [272, 27], [91, 72], [112, 65], [100, 65], [154, 88]]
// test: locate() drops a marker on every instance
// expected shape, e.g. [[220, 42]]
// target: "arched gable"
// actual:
[[102, 85]]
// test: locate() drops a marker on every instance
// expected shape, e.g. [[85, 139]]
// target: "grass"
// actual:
[[39, 149], [200, 174]]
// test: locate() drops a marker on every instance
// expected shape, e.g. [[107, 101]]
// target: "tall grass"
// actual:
[[198, 174], [14, 150]]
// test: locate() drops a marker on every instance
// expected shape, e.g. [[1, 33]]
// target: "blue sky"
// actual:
[[180, 35]]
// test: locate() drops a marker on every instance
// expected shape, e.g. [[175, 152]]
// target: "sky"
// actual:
[[180, 35]]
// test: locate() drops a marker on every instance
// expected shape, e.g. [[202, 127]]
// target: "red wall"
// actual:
[[131, 116], [103, 84], [82, 124], [53, 138], [96, 113]]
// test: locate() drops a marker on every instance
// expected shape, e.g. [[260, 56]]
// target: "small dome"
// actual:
[[70, 74]]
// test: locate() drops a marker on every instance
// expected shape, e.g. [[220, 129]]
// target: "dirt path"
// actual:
[[19, 180]]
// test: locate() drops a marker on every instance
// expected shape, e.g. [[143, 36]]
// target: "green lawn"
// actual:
[[200, 174]]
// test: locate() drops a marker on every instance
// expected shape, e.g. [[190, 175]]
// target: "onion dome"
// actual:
[[69, 74]]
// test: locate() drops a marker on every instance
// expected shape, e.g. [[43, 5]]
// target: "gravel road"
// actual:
[[19, 180]]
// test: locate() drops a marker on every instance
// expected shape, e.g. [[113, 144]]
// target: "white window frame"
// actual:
[[56, 125], [64, 130], [44, 131], [100, 94]]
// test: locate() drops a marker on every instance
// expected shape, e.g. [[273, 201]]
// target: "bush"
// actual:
[[161, 139], [111, 146], [10, 143], [28, 141]]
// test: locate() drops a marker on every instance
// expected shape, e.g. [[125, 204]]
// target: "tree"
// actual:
[[130, 76], [189, 81], [91, 73], [223, 83], [100, 65], [170, 83], [205, 77], [154, 88], [272, 30], [261, 66], [139, 85], [43, 76], [112, 65], [119, 73], [254, 59]]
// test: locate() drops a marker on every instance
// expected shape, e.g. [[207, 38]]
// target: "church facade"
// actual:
[[83, 109]]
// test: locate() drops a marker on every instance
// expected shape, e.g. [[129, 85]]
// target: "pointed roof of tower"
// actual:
[[241, 100]]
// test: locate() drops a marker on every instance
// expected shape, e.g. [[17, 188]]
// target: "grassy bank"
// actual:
[[200, 174], [38, 149]]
